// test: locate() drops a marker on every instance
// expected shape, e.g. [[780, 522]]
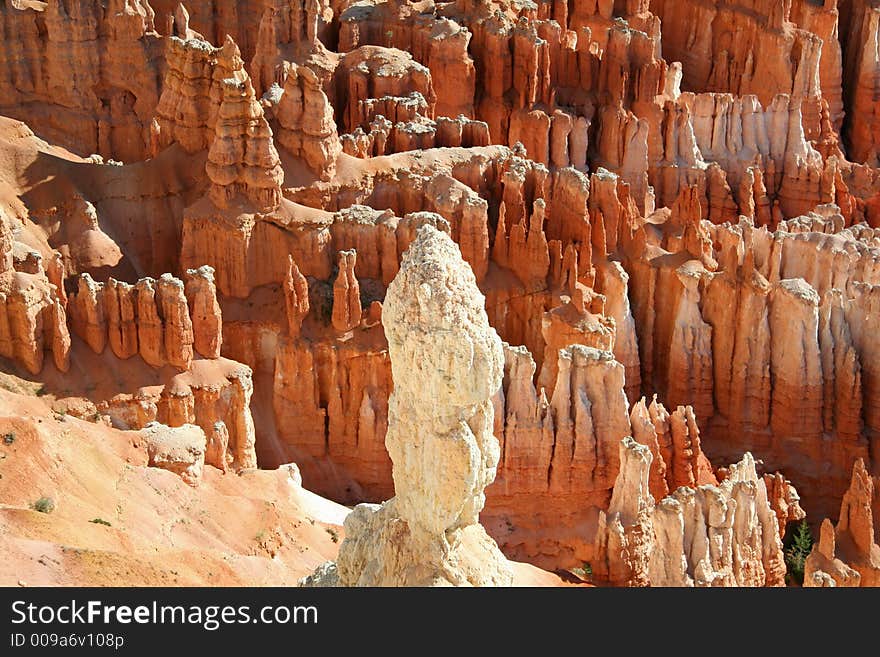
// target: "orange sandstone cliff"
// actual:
[[670, 209]]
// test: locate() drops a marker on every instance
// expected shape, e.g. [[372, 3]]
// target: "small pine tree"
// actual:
[[799, 548]]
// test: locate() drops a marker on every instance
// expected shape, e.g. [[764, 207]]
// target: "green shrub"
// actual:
[[100, 521], [585, 572], [44, 505], [798, 546]]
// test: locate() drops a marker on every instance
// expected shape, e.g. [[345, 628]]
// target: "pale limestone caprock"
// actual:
[[447, 362]]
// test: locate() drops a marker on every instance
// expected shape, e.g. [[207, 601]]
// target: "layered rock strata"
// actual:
[[696, 235]]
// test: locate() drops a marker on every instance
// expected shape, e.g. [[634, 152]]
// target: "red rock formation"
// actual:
[[243, 213], [740, 141], [178, 332], [614, 283], [207, 321], [29, 318], [695, 233], [211, 393], [862, 129], [248, 249], [296, 297], [33, 318], [754, 291], [823, 20], [555, 451], [192, 92], [331, 410], [795, 409], [374, 72], [242, 158], [308, 129], [119, 307], [87, 314], [674, 441], [162, 320], [58, 74], [848, 555], [823, 568], [346, 294], [784, 500], [436, 41], [708, 536], [217, 447], [178, 335], [740, 47], [383, 137], [284, 28], [151, 340]]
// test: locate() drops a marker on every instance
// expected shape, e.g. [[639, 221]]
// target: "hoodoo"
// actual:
[[527, 275], [447, 362]]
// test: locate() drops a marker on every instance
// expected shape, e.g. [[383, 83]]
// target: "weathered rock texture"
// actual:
[[193, 91], [671, 209], [207, 321], [32, 310], [83, 73], [447, 362], [725, 535], [346, 294], [861, 31], [163, 320], [242, 159], [847, 554], [308, 129], [180, 450], [214, 395]]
